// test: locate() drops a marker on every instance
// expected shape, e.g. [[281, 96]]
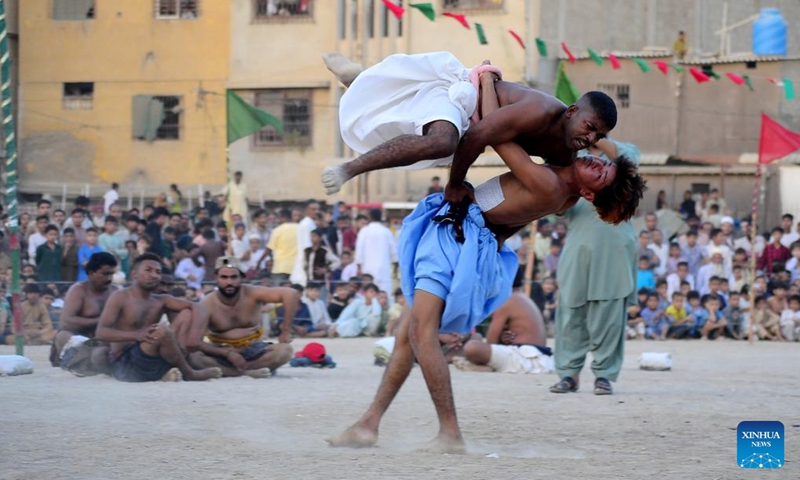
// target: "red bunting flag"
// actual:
[[396, 9], [614, 61], [461, 18], [698, 75], [572, 58], [661, 66], [776, 142], [517, 38], [775, 81], [735, 78]]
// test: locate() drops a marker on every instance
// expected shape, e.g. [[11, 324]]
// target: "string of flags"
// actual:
[[700, 75]]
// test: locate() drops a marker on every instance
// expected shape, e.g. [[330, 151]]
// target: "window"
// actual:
[[73, 9], [293, 107], [78, 96], [157, 117], [472, 4], [175, 9], [620, 93], [282, 9]]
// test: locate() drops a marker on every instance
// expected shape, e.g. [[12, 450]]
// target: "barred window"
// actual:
[[293, 107], [177, 9], [78, 96], [619, 92], [73, 9], [157, 117], [472, 4], [282, 9]]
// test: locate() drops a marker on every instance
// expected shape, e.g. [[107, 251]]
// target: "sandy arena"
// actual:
[[676, 425]]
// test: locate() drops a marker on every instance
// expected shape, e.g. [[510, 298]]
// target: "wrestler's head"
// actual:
[[147, 271], [588, 120], [614, 188], [229, 276], [100, 269]]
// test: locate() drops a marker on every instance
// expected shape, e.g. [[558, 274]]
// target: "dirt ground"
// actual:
[[666, 425]]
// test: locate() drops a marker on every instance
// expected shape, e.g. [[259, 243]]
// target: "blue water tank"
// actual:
[[769, 33]]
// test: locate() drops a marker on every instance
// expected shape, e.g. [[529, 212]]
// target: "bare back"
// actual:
[[235, 321], [522, 317]]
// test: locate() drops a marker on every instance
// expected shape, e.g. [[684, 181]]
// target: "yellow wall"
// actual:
[[125, 51]]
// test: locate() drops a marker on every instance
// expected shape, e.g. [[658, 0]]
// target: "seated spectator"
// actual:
[[790, 320], [551, 260], [36, 323], [695, 310], [766, 324], [681, 323], [793, 265], [673, 259], [254, 258], [661, 291], [347, 268], [339, 300], [550, 300], [644, 275], [738, 281], [693, 252], [191, 269], [714, 288], [635, 328], [642, 297], [716, 268], [655, 323], [686, 287], [715, 323], [361, 314], [302, 324], [48, 298], [735, 315], [395, 311], [318, 312], [681, 275], [778, 302]]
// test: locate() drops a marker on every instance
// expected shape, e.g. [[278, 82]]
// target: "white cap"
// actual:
[[726, 220]]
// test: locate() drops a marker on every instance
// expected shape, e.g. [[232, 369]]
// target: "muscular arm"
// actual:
[[107, 326], [290, 300], [199, 318], [70, 320]]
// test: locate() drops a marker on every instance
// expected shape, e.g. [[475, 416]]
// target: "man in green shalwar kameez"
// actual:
[[597, 282]]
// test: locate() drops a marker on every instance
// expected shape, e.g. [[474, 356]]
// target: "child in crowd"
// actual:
[[790, 320], [679, 318], [714, 326], [655, 323], [674, 258], [736, 315], [644, 275], [793, 264], [642, 297], [318, 311], [69, 258], [635, 328], [686, 287], [339, 300], [661, 291], [551, 260], [714, 289], [550, 300], [766, 323], [395, 311]]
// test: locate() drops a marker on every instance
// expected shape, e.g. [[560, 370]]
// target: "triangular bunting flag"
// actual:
[[642, 64], [614, 61], [676, 67], [481, 36], [461, 18], [661, 66], [565, 90], [595, 56], [698, 75], [788, 89], [521, 43], [541, 46], [775, 81], [564, 47], [735, 78], [713, 74], [748, 82], [776, 142], [396, 9], [426, 9]]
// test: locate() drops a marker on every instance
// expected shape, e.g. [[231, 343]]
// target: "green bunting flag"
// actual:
[[565, 90], [595, 56], [481, 34], [426, 9], [541, 46], [676, 67], [748, 82], [788, 89], [642, 64], [245, 119], [713, 74]]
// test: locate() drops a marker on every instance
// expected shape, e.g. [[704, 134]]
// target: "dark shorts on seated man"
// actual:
[[254, 351], [133, 365]]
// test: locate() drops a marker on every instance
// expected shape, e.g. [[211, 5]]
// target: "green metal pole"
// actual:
[[11, 176]]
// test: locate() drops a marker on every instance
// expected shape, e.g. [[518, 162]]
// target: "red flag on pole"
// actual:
[[396, 9], [661, 66], [572, 58], [614, 61], [462, 19], [776, 142]]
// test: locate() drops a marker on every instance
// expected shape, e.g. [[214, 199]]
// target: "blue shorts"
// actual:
[[474, 278], [133, 365]]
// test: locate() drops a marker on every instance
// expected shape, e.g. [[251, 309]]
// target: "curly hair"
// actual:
[[618, 202]]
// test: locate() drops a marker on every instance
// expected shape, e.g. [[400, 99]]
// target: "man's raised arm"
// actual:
[[291, 302]]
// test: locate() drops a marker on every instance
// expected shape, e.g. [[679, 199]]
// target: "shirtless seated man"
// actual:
[[452, 284], [82, 307], [516, 341], [142, 349], [234, 325], [412, 111]]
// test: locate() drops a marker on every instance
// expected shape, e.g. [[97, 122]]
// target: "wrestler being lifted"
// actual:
[[142, 349], [452, 283], [411, 111], [234, 325]]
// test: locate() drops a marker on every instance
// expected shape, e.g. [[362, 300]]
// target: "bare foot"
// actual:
[[354, 437], [260, 373], [333, 178], [462, 363], [345, 69], [444, 444], [204, 374], [174, 375]]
